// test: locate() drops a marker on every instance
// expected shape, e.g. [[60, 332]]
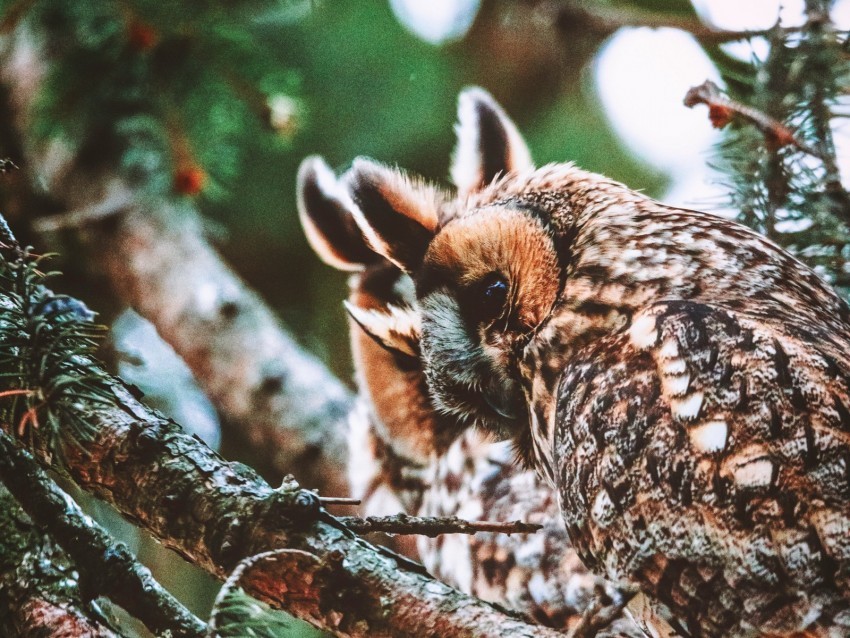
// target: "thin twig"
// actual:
[[117, 200], [722, 109], [608, 18], [599, 616], [106, 568], [338, 500], [432, 526]]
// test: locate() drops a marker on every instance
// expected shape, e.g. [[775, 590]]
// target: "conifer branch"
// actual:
[[106, 569], [216, 514], [781, 166], [276, 398], [722, 109], [820, 33]]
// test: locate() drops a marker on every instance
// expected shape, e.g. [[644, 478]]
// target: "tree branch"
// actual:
[[432, 526], [607, 19], [139, 248], [722, 109], [216, 514], [275, 396], [290, 409], [39, 593], [106, 569], [263, 574]]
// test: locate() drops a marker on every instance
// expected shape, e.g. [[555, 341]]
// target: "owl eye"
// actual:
[[492, 295]]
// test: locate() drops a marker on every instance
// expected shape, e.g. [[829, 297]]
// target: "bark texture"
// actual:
[[39, 592], [283, 401], [215, 514], [106, 568]]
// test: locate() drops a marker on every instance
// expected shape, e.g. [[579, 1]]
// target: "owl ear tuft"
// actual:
[[394, 328], [488, 143], [398, 215], [325, 211]]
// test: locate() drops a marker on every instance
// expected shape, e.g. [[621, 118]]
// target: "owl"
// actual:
[[680, 381], [406, 456]]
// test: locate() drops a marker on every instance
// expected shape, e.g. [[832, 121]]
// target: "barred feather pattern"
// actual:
[[736, 485], [403, 459], [700, 419], [537, 574], [680, 381]]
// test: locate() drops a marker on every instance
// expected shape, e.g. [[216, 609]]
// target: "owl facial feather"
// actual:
[[461, 264]]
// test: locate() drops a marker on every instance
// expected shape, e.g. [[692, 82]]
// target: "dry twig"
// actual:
[[722, 110], [338, 500], [432, 526], [607, 19], [106, 569]]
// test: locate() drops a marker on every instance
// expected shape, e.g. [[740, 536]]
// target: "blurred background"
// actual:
[[213, 106]]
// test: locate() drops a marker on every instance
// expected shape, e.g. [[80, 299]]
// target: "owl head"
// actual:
[[384, 326], [484, 259]]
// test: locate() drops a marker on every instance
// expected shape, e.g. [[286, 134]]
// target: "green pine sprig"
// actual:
[[47, 375], [156, 88], [238, 615], [792, 196]]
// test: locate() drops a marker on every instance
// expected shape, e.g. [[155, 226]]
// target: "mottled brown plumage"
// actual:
[[681, 380], [405, 456]]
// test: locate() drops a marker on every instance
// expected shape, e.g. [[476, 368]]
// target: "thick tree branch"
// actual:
[[275, 396], [106, 569], [39, 594], [215, 514], [291, 410], [300, 572]]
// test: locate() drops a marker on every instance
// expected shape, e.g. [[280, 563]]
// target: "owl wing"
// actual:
[[705, 455]]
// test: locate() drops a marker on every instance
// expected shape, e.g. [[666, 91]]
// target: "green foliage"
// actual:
[[159, 89], [793, 196], [46, 342], [238, 615]]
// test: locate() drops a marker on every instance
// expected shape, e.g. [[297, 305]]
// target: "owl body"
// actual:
[[732, 512], [540, 575], [681, 381], [405, 456]]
